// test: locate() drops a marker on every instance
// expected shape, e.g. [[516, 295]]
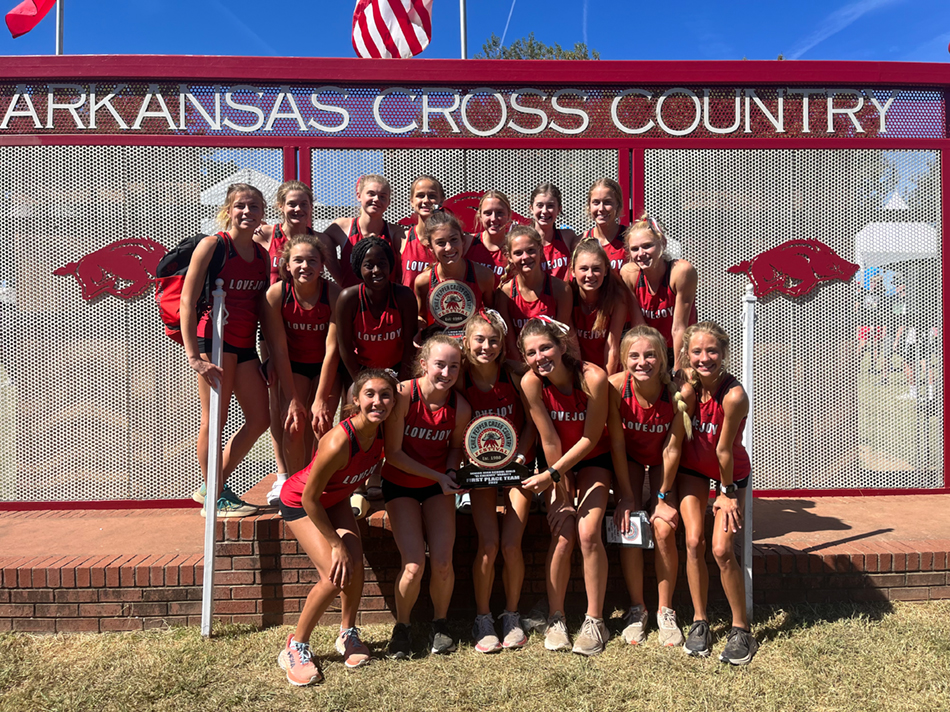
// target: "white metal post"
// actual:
[[214, 461], [59, 26], [462, 27], [748, 342]]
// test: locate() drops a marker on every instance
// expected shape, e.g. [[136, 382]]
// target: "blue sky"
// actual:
[[868, 30]]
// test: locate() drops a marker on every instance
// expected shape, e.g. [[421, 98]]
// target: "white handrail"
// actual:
[[748, 342], [214, 461]]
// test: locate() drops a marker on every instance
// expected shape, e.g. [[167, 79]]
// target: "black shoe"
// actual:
[[698, 640], [400, 644], [740, 647], [441, 640]]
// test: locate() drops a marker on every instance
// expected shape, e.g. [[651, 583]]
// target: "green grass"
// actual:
[[848, 657]]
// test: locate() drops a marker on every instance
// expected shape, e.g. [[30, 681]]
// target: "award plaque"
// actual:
[[452, 304], [639, 534], [491, 443]]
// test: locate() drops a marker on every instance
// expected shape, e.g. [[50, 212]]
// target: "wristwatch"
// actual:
[[555, 475], [520, 458], [728, 490], [662, 495]]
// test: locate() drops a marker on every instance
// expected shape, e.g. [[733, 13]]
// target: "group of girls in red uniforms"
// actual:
[[595, 410]]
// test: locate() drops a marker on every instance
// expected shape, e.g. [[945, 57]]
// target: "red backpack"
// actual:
[[170, 278]]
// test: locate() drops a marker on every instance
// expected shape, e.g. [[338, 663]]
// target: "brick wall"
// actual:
[[263, 577]]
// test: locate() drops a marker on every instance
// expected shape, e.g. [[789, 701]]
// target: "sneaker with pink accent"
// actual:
[[354, 651], [297, 660]]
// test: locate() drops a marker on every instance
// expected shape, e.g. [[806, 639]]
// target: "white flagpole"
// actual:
[[748, 350], [59, 27], [214, 462], [462, 26]]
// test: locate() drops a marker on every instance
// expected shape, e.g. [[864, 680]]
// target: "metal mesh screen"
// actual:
[[95, 402], [848, 380], [515, 172]]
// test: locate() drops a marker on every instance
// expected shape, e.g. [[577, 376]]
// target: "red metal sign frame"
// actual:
[[630, 150]]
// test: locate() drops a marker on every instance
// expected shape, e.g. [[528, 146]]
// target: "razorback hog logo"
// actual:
[[124, 268], [464, 206], [794, 268]]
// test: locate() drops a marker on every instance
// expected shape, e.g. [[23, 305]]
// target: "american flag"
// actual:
[[391, 28]]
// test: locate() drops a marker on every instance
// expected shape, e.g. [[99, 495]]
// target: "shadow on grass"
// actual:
[[783, 620]]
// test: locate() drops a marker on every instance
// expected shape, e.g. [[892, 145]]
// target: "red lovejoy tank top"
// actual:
[[274, 252], [496, 261], [378, 341], [416, 258], [568, 413], [243, 284], [306, 328], [593, 344], [426, 438], [503, 399], [342, 482], [615, 249], [519, 311], [470, 280], [557, 258], [657, 307], [699, 454], [346, 252], [645, 429]]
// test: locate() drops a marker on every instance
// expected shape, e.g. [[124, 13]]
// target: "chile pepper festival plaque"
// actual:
[[491, 443]]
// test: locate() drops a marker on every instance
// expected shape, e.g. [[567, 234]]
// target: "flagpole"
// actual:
[[464, 32], [59, 27]]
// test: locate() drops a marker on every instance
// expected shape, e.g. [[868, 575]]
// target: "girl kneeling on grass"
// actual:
[[568, 400], [492, 387], [423, 451], [652, 420], [315, 503], [714, 455]]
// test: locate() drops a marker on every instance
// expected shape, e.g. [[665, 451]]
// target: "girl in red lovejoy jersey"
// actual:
[[664, 290], [568, 400], [374, 321], [373, 193], [423, 452], [651, 422], [558, 242], [426, 196], [304, 303], [488, 246], [295, 205], [245, 275], [604, 204], [529, 292], [600, 306], [492, 386], [315, 504], [715, 455], [448, 244]]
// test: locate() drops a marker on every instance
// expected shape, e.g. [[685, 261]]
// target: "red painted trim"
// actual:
[[945, 267], [302, 142], [450, 71], [623, 177], [120, 139], [306, 165], [798, 493], [638, 172], [104, 504], [290, 163]]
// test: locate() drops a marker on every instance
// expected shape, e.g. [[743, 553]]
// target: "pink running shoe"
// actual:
[[296, 659], [354, 651]]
